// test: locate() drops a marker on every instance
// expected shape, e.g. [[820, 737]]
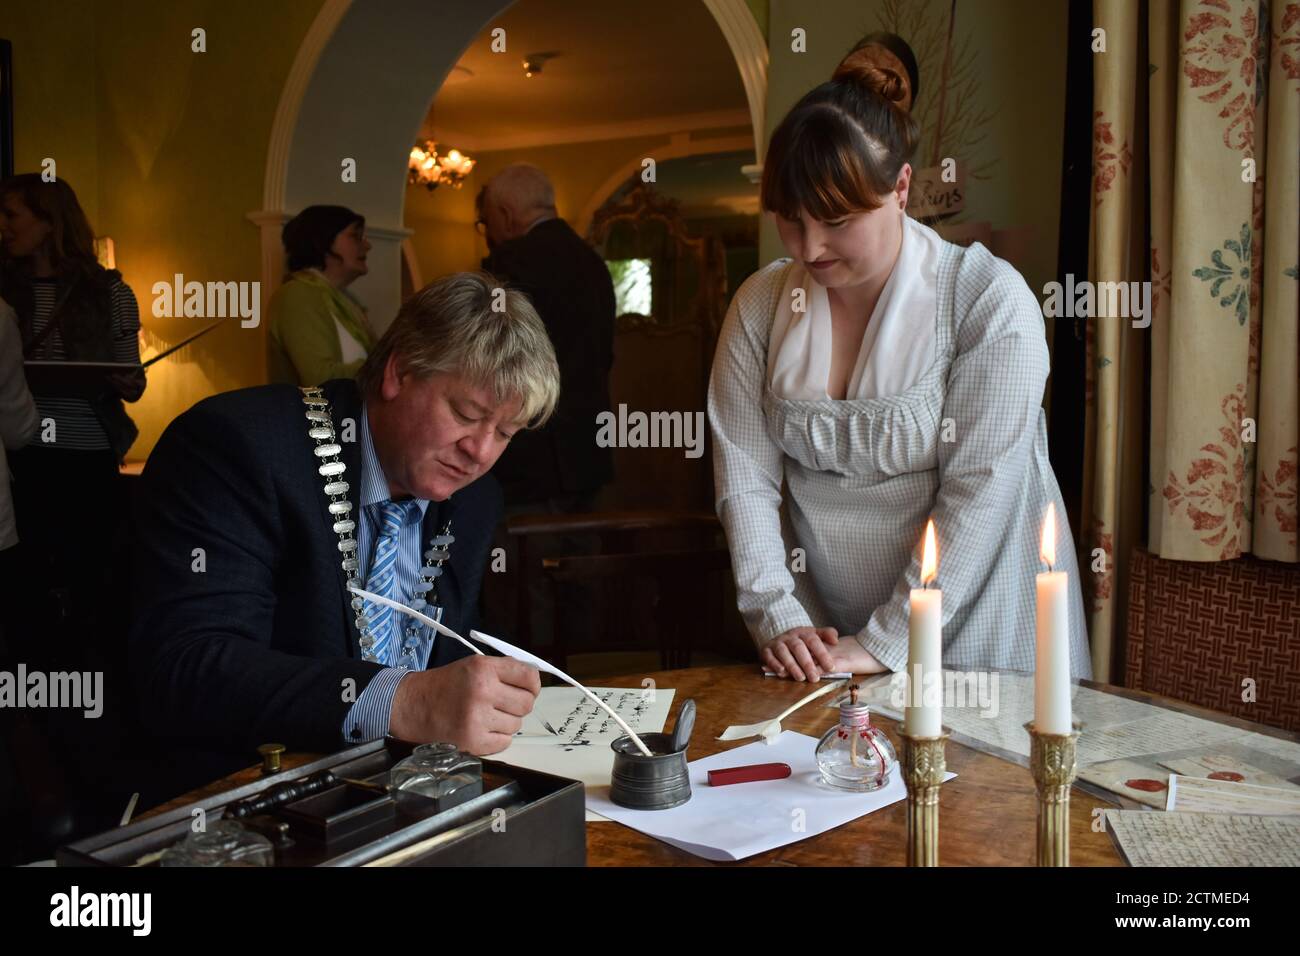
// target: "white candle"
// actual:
[[924, 647], [1052, 670]]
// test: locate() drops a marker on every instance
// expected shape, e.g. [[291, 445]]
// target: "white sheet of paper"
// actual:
[[1162, 732], [737, 821], [1114, 775], [1198, 795], [1202, 765], [1275, 747], [1148, 838], [503, 647], [581, 752], [524, 657], [1115, 727]]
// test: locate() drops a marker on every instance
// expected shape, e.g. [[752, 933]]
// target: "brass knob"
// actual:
[[270, 758]]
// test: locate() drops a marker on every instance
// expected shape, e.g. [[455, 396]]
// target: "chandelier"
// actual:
[[428, 169]]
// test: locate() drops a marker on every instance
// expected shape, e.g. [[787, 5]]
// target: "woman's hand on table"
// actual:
[[801, 653], [850, 657], [806, 653]]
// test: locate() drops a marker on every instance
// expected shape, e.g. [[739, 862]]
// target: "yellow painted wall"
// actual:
[[167, 148], [54, 92]]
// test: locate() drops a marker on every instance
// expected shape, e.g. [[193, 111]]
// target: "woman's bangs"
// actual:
[[819, 175]]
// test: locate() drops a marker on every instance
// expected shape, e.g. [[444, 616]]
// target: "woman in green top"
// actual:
[[318, 331]]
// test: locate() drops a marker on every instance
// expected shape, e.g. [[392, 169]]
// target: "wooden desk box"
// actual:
[[540, 822]]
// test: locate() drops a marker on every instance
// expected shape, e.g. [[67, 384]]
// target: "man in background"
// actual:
[[557, 468]]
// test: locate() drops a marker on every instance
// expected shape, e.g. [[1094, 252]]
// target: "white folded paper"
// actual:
[[739, 820], [580, 750]]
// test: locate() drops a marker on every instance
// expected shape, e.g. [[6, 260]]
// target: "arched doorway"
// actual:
[[359, 89]]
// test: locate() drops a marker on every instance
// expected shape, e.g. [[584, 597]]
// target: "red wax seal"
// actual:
[[1226, 775], [1149, 786]]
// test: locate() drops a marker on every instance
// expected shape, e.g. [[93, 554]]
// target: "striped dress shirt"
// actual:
[[368, 718]]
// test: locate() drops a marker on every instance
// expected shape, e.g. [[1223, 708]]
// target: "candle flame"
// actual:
[[929, 555], [1049, 536]]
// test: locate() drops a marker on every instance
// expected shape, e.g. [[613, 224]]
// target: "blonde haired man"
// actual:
[[266, 643]]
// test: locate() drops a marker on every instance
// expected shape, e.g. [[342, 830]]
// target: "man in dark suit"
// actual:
[[244, 631], [559, 467]]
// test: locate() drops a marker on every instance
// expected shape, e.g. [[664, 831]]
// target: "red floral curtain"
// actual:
[[1222, 143]]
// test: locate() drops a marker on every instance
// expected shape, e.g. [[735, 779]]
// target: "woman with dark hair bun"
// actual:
[[318, 331], [876, 378]]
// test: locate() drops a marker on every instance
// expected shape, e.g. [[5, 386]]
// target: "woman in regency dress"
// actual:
[[878, 377]]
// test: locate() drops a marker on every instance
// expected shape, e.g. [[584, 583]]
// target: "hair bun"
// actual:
[[881, 80]]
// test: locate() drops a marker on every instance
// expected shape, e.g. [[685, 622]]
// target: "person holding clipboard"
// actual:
[[69, 309]]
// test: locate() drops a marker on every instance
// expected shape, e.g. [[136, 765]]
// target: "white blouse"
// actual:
[[897, 346], [852, 483], [350, 348]]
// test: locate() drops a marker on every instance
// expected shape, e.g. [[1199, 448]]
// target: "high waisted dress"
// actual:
[[825, 502]]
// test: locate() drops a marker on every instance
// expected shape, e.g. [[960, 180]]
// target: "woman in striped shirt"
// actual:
[[69, 309]]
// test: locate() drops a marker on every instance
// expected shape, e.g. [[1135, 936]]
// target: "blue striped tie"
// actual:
[[393, 516]]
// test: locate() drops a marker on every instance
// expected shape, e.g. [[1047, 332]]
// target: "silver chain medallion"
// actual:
[[320, 428]]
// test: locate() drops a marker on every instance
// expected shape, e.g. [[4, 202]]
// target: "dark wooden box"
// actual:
[[522, 818]]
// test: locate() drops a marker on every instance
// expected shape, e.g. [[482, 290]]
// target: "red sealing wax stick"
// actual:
[[757, 771]]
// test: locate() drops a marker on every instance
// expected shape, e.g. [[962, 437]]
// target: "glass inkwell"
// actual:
[[438, 772], [854, 754], [222, 843]]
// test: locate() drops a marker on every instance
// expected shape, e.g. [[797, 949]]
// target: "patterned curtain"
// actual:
[[1116, 351], [1223, 134]]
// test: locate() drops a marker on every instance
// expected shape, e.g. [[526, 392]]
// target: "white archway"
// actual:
[[677, 148], [359, 88]]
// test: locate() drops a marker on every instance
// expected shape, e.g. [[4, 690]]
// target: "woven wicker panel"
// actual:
[[1197, 630]]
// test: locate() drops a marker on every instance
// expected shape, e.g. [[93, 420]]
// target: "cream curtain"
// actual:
[[1223, 149]]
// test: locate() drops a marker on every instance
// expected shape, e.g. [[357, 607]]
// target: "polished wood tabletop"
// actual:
[[987, 812]]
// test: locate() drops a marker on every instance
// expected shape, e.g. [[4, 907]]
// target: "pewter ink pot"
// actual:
[[658, 782]]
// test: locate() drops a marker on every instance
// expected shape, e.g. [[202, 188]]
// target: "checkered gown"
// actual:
[[862, 476]]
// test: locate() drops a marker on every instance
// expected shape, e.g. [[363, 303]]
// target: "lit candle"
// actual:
[[1052, 670], [925, 646]]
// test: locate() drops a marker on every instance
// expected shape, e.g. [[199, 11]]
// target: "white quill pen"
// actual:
[[769, 730], [509, 650]]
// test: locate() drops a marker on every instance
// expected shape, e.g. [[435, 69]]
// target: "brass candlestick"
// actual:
[[1052, 762], [923, 770]]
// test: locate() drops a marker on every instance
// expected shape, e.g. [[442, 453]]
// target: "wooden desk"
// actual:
[[987, 815]]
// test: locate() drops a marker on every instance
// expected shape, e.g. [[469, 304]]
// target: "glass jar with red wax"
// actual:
[[855, 754]]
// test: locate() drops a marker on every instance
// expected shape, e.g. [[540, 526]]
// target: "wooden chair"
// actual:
[[534, 537], [622, 550], [679, 609]]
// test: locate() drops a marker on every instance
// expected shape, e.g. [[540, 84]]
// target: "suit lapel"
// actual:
[[435, 518], [345, 403]]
